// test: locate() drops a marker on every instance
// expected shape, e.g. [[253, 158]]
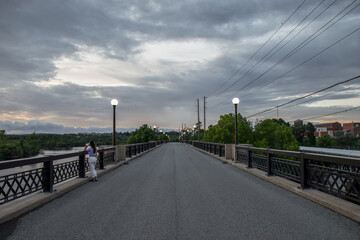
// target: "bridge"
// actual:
[[181, 191]]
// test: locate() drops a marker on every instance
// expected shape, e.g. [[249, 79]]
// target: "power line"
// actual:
[[308, 95], [301, 45], [259, 63], [283, 24], [316, 98], [334, 113]]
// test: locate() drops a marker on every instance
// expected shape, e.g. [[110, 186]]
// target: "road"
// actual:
[[176, 192]]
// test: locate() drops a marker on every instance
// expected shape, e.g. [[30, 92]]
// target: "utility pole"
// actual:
[[198, 119], [204, 114]]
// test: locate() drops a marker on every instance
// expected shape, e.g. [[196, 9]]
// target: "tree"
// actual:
[[325, 141], [347, 141], [270, 133], [224, 130], [143, 134], [310, 139], [299, 132], [304, 134], [2, 136]]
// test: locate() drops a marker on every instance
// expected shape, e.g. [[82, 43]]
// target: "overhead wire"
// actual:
[[303, 44], [305, 96], [236, 72], [330, 114], [326, 95], [259, 62]]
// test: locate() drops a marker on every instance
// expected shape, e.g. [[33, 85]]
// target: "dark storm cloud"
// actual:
[[36, 33]]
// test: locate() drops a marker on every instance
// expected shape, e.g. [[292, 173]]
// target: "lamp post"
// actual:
[[194, 127], [236, 101], [114, 103], [155, 130]]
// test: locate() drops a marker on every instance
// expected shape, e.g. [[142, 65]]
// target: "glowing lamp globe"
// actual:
[[235, 101], [114, 102]]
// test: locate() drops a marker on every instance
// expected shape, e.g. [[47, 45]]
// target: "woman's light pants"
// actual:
[[92, 163]]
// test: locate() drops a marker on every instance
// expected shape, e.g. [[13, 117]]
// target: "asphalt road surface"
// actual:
[[176, 192]]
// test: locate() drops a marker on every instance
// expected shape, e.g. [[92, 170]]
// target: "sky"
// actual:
[[62, 62]]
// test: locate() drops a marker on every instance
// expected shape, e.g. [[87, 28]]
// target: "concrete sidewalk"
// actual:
[[346, 208], [18, 207]]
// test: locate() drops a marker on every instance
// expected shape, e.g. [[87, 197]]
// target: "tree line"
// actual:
[[21, 146], [269, 133], [272, 133]]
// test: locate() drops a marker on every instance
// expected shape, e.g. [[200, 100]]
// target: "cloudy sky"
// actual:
[[61, 62]]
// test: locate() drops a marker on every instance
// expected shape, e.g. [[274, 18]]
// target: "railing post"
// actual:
[[48, 175], [303, 172], [249, 158], [82, 166], [220, 148], [269, 156], [101, 159], [129, 151]]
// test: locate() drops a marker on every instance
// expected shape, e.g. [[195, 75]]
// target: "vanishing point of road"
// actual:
[[176, 192]]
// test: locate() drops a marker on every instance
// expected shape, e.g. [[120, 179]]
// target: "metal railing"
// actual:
[[42, 173], [336, 175], [137, 148], [215, 148]]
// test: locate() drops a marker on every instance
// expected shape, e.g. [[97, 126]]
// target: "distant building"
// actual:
[[353, 128], [332, 129]]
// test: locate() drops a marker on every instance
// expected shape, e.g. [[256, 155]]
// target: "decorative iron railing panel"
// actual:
[[109, 157], [343, 181], [286, 168], [259, 161], [336, 175], [241, 157], [20, 184], [65, 171]]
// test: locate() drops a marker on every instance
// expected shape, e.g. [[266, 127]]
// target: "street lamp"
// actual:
[[236, 101], [155, 130], [194, 130], [114, 103]]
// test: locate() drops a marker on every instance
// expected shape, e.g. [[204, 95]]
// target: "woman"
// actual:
[[91, 149]]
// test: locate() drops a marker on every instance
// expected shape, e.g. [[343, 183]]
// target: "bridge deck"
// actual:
[[176, 192]]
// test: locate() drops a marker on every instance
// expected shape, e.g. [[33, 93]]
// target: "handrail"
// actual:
[[44, 177], [336, 175]]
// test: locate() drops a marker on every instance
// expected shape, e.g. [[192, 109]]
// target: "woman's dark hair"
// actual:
[[93, 146]]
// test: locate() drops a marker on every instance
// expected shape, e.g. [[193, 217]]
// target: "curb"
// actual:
[[341, 206], [18, 207]]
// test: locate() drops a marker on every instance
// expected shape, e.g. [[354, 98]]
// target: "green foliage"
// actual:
[[223, 131], [19, 146], [325, 141], [272, 133], [299, 133], [310, 139], [173, 135], [304, 134], [143, 134], [347, 141]]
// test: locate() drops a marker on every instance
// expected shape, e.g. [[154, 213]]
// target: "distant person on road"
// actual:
[[91, 149]]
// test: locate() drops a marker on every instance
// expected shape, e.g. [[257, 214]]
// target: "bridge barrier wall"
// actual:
[[335, 175], [35, 174]]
